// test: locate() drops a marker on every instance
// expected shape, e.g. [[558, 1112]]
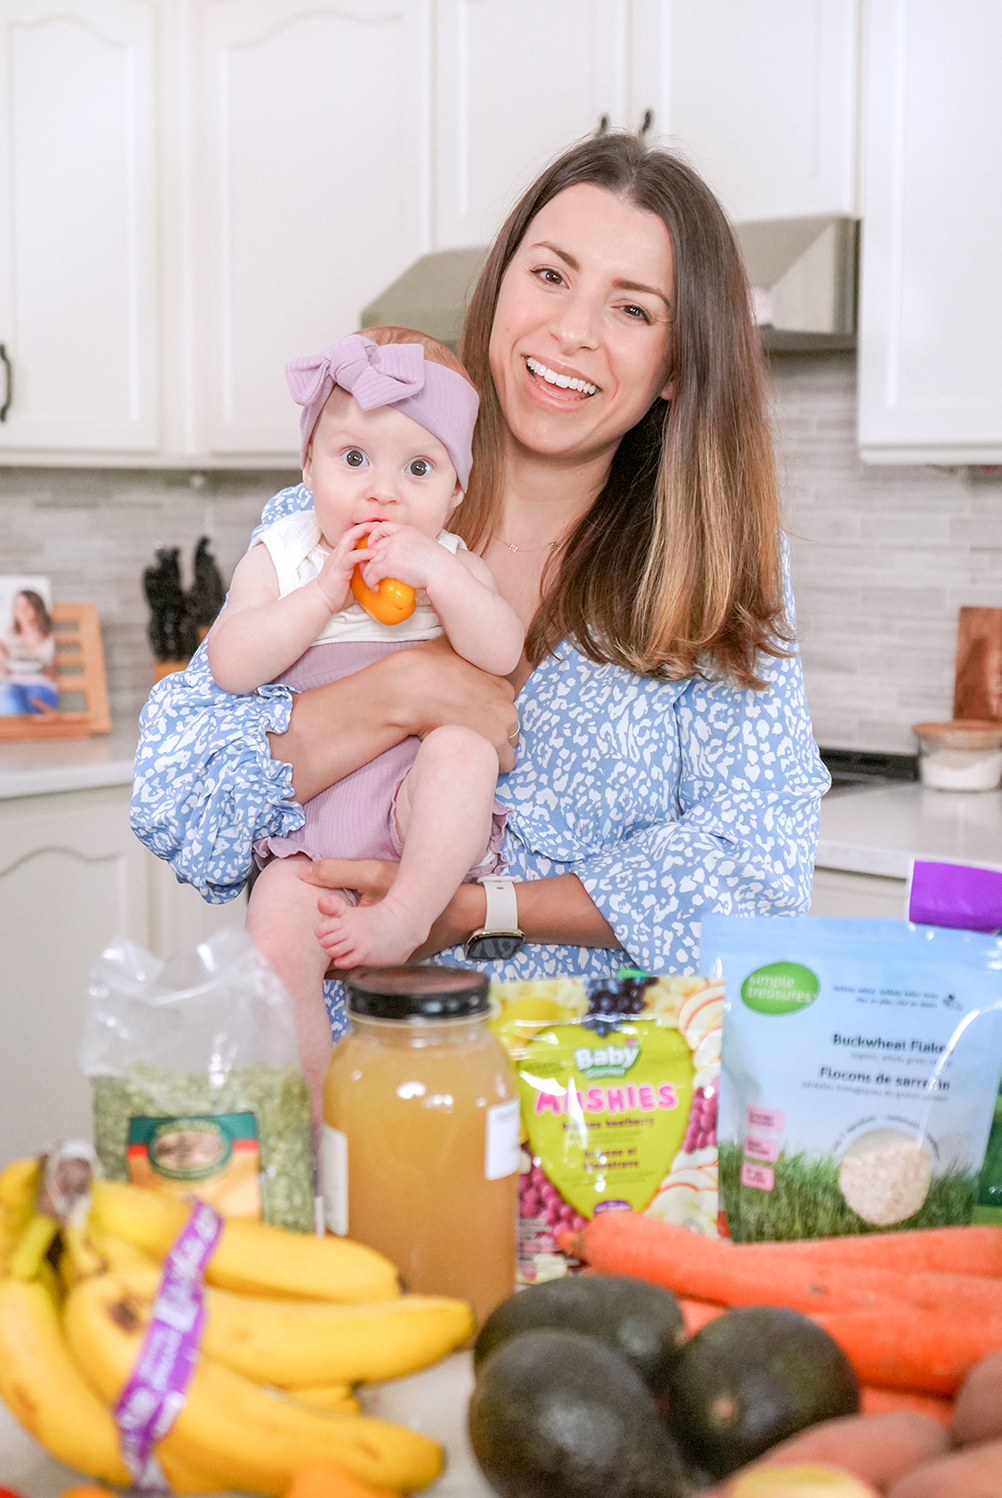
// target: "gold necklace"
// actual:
[[550, 546]]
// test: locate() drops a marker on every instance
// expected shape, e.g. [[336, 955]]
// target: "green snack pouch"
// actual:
[[618, 1088]]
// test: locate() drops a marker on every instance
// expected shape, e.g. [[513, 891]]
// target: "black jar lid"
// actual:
[[417, 991]]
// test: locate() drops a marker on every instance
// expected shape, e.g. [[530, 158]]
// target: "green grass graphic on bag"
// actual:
[[859, 1073]]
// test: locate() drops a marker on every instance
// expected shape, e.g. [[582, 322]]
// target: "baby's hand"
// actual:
[[334, 577], [402, 552]]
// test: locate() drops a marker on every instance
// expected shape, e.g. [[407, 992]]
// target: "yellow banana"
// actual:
[[87, 1252], [18, 1184], [251, 1258], [45, 1390], [329, 1397], [32, 1246], [298, 1342], [229, 1428]]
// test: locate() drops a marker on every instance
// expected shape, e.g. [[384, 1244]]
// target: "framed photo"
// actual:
[[52, 677], [27, 648]]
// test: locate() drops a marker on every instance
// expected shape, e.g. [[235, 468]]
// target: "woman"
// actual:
[[27, 658], [623, 494]]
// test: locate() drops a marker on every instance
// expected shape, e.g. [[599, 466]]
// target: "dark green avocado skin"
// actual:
[[558, 1414], [641, 1322], [753, 1377]]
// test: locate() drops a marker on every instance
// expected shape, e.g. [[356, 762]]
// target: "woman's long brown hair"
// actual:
[[676, 569]]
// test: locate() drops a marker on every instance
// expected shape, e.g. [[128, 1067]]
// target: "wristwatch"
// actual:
[[499, 937]]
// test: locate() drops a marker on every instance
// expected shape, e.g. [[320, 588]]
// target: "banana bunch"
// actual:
[[293, 1322]]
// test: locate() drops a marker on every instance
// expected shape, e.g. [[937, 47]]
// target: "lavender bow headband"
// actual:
[[389, 374]]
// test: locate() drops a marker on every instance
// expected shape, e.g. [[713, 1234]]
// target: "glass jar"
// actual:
[[421, 1133], [962, 755]]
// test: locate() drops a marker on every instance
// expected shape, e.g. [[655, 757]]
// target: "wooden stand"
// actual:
[[79, 669]]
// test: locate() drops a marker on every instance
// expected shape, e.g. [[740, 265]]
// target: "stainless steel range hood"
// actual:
[[802, 270], [431, 295], [803, 276]]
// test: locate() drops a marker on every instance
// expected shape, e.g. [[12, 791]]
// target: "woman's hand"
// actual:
[[337, 728]]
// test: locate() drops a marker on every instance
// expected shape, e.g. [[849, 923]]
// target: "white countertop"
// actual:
[[32, 767], [880, 831]]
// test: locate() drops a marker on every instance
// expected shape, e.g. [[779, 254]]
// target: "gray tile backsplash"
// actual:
[[93, 531], [882, 557]]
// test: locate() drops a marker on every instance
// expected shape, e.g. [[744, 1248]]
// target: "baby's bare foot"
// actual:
[[382, 933]]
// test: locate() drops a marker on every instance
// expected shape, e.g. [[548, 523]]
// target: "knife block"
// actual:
[[978, 681]]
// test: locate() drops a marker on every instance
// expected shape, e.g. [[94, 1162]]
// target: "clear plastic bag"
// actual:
[[194, 1064]]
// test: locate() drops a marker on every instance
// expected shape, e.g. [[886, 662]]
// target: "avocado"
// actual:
[[558, 1414], [642, 1322], [751, 1378]]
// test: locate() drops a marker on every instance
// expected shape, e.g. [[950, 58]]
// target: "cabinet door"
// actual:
[[72, 879], [760, 97], [517, 82], [930, 373], [312, 191], [77, 225]]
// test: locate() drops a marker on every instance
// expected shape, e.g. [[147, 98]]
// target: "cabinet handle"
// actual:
[[646, 123], [603, 125], [9, 377]]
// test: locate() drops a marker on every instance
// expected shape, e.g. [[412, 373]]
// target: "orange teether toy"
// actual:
[[392, 603]]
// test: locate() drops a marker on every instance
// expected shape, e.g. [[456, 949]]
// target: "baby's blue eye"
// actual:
[[419, 467], [355, 458]]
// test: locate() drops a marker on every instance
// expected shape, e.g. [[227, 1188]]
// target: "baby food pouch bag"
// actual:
[[860, 1069], [618, 1088], [194, 1066]]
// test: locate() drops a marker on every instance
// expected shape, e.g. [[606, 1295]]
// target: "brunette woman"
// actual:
[[624, 496]]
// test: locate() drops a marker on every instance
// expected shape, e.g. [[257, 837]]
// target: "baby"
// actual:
[[387, 429]]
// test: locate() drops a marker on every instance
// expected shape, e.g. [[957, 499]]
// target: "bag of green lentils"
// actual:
[[194, 1065]]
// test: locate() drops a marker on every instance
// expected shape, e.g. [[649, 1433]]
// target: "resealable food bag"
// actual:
[[860, 1068], [194, 1065], [618, 1090]]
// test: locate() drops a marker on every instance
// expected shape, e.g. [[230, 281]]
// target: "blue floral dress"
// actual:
[[666, 799]]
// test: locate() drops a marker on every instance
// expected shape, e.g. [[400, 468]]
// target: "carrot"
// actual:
[[698, 1314], [897, 1347], [762, 1274], [960, 1250], [886, 1401]]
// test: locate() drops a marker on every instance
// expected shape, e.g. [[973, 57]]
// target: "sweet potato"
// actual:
[[798, 1482], [975, 1472], [977, 1413], [879, 1449]]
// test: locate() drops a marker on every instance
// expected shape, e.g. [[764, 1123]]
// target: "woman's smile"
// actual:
[[581, 329]]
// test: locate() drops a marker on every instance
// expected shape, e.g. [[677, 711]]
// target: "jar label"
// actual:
[[501, 1140], [334, 1179]]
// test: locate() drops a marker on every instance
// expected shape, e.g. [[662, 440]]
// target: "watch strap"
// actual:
[[502, 904]]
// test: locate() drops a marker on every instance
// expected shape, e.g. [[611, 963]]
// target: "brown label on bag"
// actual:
[[215, 1156]]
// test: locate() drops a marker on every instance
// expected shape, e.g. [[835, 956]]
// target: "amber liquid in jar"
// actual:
[[421, 1147]]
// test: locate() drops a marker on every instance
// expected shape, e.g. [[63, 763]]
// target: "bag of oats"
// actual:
[[194, 1065], [860, 1068]]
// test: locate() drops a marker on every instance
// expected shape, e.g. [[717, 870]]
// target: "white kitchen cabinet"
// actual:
[[516, 83], [311, 190], [930, 375], [73, 878], [760, 98], [78, 226]]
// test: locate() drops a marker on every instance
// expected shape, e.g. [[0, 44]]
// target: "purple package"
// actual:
[[955, 894]]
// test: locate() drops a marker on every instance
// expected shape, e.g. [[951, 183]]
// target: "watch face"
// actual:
[[494, 946]]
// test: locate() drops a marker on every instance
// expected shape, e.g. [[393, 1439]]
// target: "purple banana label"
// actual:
[[155, 1393]]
